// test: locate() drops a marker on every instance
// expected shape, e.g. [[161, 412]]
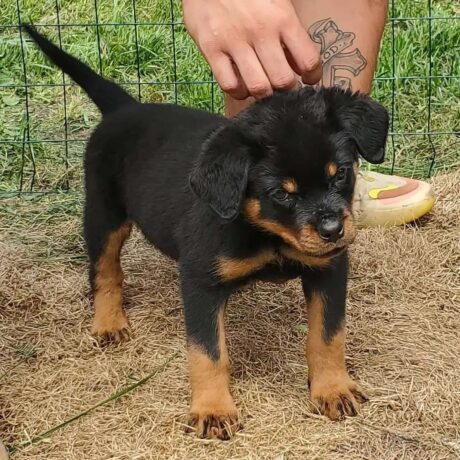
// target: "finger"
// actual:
[[303, 54], [244, 90], [279, 72], [227, 76], [252, 72]]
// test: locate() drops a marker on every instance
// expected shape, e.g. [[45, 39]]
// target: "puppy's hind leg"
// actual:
[[105, 233]]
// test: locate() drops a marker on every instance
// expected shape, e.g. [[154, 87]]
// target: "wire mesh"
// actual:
[[45, 119]]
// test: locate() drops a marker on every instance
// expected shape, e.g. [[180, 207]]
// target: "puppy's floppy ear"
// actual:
[[221, 174], [366, 122]]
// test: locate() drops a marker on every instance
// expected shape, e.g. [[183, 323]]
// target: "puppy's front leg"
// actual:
[[332, 389], [213, 413]]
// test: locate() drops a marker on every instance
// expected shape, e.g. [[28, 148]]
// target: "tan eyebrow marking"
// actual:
[[290, 185], [331, 169]]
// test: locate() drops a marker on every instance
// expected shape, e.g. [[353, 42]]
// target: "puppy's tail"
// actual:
[[105, 94]]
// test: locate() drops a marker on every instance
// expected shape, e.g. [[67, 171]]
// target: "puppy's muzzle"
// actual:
[[329, 237], [330, 229]]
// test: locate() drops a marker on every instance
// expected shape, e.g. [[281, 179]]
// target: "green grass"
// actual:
[[48, 167]]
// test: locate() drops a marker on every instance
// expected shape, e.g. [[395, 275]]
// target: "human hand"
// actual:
[[252, 46]]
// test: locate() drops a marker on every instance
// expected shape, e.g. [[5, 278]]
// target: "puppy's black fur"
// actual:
[[265, 195]]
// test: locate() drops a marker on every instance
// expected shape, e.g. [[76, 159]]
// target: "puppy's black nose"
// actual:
[[330, 229]]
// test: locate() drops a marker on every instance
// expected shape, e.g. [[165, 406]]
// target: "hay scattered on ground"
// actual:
[[403, 348]]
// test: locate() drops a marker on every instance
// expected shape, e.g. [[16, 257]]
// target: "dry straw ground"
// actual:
[[403, 347]]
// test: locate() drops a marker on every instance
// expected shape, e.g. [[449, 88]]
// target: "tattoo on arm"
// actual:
[[337, 64]]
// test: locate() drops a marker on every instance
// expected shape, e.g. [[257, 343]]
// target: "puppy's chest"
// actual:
[[267, 264]]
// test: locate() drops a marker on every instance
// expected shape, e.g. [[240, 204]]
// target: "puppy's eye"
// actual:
[[280, 195], [341, 173]]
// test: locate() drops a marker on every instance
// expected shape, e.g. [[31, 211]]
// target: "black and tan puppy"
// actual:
[[266, 195]]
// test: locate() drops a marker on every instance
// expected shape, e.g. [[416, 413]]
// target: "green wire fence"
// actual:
[[45, 119]]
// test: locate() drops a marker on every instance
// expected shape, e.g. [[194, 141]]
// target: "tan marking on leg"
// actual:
[[230, 269], [110, 322], [332, 390], [290, 185], [331, 169], [213, 413]]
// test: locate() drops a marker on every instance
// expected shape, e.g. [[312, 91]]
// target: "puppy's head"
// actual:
[[288, 165]]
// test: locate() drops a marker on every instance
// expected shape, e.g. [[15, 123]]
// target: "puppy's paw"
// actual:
[[336, 397], [213, 425], [112, 329]]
